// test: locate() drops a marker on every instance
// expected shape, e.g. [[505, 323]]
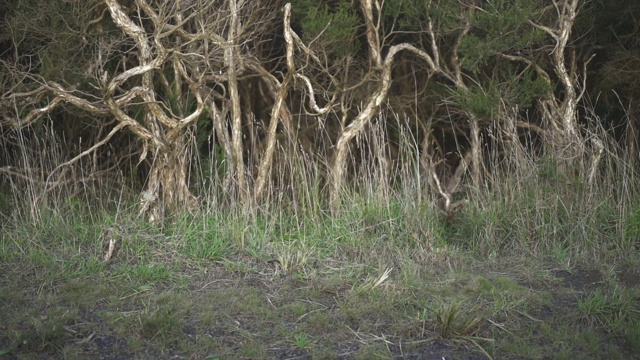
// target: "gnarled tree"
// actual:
[[156, 68]]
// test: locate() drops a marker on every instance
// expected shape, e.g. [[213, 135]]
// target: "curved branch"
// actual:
[[370, 110], [95, 146], [129, 27]]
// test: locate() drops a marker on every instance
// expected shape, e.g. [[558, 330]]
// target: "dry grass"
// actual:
[[392, 274]]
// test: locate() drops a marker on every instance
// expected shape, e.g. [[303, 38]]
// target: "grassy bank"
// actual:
[[543, 270]]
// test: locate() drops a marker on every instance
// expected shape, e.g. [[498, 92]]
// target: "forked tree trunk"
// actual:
[[369, 111], [167, 186], [562, 113]]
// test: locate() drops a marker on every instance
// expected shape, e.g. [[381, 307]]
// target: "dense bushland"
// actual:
[[198, 106]]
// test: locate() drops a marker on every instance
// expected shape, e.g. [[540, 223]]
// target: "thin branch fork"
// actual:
[[367, 113], [95, 146]]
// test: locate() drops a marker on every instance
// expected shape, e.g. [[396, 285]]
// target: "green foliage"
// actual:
[[405, 16], [447, 16], [331, 30], [611, 310], [478, 101], [523, 90], [517, 89], [499, 27], [301, 340]]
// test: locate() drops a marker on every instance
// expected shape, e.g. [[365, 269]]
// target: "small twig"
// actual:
[[213, 282]]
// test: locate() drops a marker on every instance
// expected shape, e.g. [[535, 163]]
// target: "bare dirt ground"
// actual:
[[222, 312]]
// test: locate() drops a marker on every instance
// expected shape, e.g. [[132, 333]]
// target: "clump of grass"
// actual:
[[294, 257], [301, 340], [372, 283], [611, 310], [147, 273], [453, 324], [204, 238], [46, 332]]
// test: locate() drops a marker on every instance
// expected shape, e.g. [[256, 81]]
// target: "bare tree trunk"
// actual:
[[364, 117], [230, 58], [562, 114], [265, 165], [279, 109], [167, 186], [476, 152], [154, 78]]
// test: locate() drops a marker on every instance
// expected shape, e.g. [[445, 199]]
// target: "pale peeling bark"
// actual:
[[123, 21], [163, 133], [218, 116], [453, 74], [279, 111], [476, 151], [474, 124], [230, 58], [276, 111], [373, 36], [369, 111], [167, 186], [562, 114], [267, 159], [371, 108], [158, 90]]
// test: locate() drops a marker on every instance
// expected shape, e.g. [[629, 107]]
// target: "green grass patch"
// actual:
[[510, 278]]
